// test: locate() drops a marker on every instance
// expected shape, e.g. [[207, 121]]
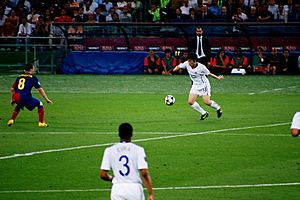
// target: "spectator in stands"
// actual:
[[192, 16], [273, 61], [115, 17], [253, 14], [56, 32], [14, 20], [108, 5], [154, 13], [200, 45], [25, 4], [206, 2], [281, 15], [214, 11], [91, 18], [178, 16], [193, 3], [185, 8], [2, 20], [264, 15], [42, 29], [25, 30], [80, 17], [33, 17], [168, 62], [231, 7], [224, 17], [296, 13], [125, 16], [89, 6], [137, 6], [273, 8], [121, 4], [240, 61], [259, 62], [63, 17], [239, 16], [152, 63], [287, 63], [100, 14], [8, 31], [203, 14], [220, 64]]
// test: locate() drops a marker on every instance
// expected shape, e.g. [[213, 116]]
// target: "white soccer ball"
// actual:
[[169, 100]]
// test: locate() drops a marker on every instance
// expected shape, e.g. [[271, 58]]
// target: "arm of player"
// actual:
[[12, 92], [105, 176], [147, 182], [176, 68], [43, 93], [216, 77]]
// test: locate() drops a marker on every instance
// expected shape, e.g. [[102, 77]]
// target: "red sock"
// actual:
[[15, 113], [41, 114]]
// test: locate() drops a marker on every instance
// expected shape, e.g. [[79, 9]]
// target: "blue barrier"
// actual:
[[89, 62]]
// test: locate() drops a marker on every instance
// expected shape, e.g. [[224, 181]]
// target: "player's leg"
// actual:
[[41, 113], [14, 115], [194, 104], [213, 104]]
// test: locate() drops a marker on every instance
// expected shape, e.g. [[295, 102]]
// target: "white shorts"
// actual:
[[127, 191], [200, 90], [296, 121]]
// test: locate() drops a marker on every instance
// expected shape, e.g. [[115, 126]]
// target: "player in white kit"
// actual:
[[295, 127], [127, 161], [200, 86]]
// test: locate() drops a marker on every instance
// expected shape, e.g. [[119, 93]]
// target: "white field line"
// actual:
[[158, 188], [135, 133], [141, 140], [273, 90]]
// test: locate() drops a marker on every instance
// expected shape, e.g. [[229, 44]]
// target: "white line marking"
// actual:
[[141, 140], [273, 90], [136, 133], [159, 188]]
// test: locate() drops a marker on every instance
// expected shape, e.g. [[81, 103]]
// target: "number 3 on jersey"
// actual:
[[21, 84], [126, 170]]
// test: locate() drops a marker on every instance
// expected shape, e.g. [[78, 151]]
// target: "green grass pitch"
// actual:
[[247, 154]]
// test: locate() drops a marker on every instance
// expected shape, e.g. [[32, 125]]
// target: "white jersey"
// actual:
[[198, 74], [296, 121], [125, 159], [201, 85]]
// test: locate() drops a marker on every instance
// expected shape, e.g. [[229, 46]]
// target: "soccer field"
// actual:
[[247, 154]]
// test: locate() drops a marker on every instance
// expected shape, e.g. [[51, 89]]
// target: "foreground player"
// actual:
[[295, 127], [127, 161], [200, 86], [21, 95]]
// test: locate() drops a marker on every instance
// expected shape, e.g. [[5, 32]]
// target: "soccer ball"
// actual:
[[169, 100]]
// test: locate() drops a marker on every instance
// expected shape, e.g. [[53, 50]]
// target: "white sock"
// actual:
[[215, 105], [198, 108]]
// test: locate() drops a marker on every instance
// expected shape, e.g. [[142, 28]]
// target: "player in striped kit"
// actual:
[[21, 95]]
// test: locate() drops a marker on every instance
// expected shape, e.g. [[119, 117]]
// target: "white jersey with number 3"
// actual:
[[125, 159]]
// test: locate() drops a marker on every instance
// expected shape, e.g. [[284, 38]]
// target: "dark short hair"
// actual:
[[192, 56], [125, 131], [28, 67], [168, 50]]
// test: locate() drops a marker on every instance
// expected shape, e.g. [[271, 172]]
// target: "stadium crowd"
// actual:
[[34, 17]]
